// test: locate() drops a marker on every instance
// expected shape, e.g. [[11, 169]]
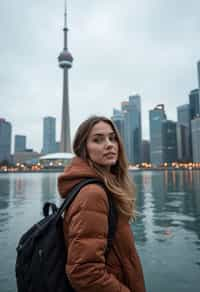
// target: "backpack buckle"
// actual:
[[47, 207]]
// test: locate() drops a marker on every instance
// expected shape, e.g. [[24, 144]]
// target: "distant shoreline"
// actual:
[[34, 171], [60, 170]]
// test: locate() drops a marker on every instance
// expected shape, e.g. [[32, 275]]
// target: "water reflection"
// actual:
[[4, 201], [49, 188], [167, 200], [19, 186], [19, 190], [167, 229]]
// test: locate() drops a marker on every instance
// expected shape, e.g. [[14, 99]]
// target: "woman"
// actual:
[[100, 154]]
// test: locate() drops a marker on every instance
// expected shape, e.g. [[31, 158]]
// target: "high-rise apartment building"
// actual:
[[169, 141], [5, 140], [195, 125], [20, 143], [49, 135], [132, 128], [156, 117]]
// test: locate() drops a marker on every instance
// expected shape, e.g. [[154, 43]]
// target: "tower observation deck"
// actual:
[[65, 60]]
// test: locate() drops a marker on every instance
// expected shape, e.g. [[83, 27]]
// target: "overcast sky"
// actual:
[[120, 47]]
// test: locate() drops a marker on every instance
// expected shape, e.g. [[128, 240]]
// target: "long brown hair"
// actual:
[[117, 180]]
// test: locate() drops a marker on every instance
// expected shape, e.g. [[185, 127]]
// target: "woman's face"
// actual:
[[102, 145]]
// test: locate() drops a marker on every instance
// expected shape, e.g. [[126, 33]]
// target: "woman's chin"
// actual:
[[111, 162]]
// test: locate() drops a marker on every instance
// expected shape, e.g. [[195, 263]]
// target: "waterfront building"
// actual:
[[156, 117], [169, 141], [145, 155], [195, 125], [55, 160], [65, 60], [28, 156], [5, 140], [132, 128], [20, 143], [49, 135], [194, 103], [118, 120], [184, 143], [136, 127]]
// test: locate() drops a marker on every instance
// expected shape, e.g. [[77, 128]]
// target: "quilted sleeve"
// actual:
[[86, 240]]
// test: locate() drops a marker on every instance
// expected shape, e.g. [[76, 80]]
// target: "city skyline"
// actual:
[[152, 51]]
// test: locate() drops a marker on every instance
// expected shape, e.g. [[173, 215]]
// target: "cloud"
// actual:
[[119, 47]]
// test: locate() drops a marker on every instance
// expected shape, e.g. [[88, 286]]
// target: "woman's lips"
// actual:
[[110, 155]]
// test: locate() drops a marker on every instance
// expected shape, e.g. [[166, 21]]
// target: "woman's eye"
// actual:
[[98, 140], [103, 139], [113, 138]]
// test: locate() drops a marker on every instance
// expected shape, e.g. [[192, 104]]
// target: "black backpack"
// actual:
[[41, 252]]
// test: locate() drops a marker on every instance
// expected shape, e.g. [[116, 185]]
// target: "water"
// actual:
[[167, 230]]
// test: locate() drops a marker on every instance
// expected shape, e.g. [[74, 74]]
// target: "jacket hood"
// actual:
[[77, 170]]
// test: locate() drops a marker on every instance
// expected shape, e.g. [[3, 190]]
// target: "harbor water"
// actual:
[[167, 229]]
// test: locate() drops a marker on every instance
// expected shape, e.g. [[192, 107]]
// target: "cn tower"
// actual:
[[65, 60]]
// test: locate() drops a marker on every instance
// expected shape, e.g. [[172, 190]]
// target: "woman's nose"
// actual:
[[109, 142]]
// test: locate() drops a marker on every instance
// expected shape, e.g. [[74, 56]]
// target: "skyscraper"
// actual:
[[135, 122], [145, 155], [49, 135], [65, 62], [198, 73], [5, 140], [156, 116], [184, 144], [195, 125], [20, 143], [124, 107], [169, 140], [194, 112], [133, 129], [183, 114], [194, 103], [118, 119]]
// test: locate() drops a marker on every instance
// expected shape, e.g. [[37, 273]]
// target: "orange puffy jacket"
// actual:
[[85, 230]]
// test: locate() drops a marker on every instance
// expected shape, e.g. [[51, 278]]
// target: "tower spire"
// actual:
[[65, 29], [65, 60], [65, 23]]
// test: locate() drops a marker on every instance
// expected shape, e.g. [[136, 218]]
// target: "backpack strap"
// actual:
[[112, 215], [112, 223]]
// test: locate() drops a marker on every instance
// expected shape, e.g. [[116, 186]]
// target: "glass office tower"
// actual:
[[169, 139], [156, 117], [132, 128], [49, 135], [5, 140]]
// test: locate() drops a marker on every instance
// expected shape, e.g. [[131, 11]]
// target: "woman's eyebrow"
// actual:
[[102, 134]]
